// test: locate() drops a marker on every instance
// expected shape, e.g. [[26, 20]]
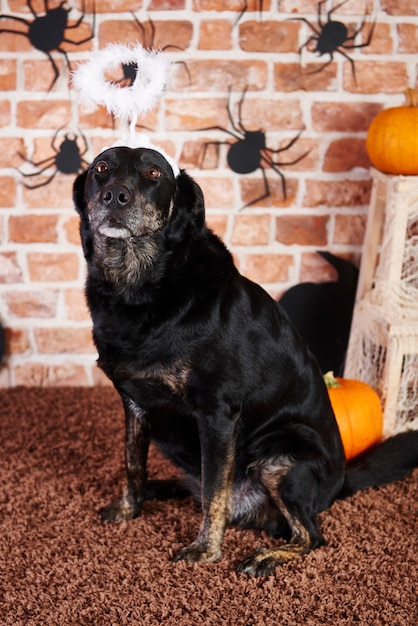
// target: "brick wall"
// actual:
[[42, 308]]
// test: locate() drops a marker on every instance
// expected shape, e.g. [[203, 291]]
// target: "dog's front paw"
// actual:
[[260, 563], [195, 554], [119, 511]]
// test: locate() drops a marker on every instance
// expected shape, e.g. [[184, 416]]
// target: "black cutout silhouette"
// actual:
[[47, 32], [68, 159], [322, 313], [332, 36], [250, 151]]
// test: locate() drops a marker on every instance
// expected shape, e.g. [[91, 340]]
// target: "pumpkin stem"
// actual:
[[330, 380], [411, 97]]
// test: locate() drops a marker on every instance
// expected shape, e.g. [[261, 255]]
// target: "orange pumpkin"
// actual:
[[358, 412], [392, 138]]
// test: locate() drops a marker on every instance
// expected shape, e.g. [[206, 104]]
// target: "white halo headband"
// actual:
[[128, 102]]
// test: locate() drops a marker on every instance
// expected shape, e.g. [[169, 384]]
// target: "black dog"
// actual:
[[209, 367]]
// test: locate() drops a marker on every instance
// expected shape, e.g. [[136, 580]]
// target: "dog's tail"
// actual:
[[391, 460]]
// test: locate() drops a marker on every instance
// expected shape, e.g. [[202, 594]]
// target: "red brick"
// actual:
[[217, 223], [408, 38], [343, 117], [229, 5], [297, 7], [269, 36], [349, 229], [43, 114], [166, 5], [42, 304], [38, 75], [215, 35], [17, 340], [195, 114], [72, 230], [381, 43], [251, 230], [344, 154], [268, 114], [289, 77], [5, 113], [55, 194], [10, 270], [305, 230], [15, 42], [33, 228], [76, 306], [315, 269], [268, 268], [218, 75], [53, 266], [10, 147], [199, 155], [399, 7], [375, 76], [98, 118], [7, 191], [60, 340], [252, 188], [116, 6], [168, 33], [46, 375], [337, 193], [7, 75], [218, 192]]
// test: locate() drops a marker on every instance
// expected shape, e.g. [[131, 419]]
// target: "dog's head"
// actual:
[[129, 203]]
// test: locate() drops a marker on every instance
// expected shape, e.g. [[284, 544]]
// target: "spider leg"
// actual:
[[77, 24], [337, 6], [287, 146], [322, 66], [240, 104], [245, 8], [49, 161], [303, 19], [142, 29], [350, 60], [54, 67], [44, 183], [16, 19], [354, 35], [266, 193], [299, 158], [31, 9], [211, 143]]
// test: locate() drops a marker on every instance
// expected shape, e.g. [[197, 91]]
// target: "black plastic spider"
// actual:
[[250, 151], [130, 69], [68, 159], [47, 32], [332, 36]]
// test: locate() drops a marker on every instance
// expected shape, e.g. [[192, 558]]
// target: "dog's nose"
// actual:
[[118, 196]]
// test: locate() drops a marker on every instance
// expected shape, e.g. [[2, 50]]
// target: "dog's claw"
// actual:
[[196, 554], [256, 565], [119, 511]]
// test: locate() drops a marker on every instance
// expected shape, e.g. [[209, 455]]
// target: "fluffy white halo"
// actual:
[[123, 102]]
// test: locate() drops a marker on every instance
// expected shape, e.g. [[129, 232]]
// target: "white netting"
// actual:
[[383, 349]]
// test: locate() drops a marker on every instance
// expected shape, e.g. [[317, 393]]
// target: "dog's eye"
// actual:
[[152, 172], [101, 167]]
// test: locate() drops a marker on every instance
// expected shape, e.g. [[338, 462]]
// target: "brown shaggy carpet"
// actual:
[[62, 459]]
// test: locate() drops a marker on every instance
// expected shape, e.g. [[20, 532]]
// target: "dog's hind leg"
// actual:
[[293, 490]]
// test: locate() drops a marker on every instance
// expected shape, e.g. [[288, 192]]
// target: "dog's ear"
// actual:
[[80, 206], [78, 193], [189, 196]]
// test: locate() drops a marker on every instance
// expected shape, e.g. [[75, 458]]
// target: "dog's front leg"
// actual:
[[218, 451], [136, 452]]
